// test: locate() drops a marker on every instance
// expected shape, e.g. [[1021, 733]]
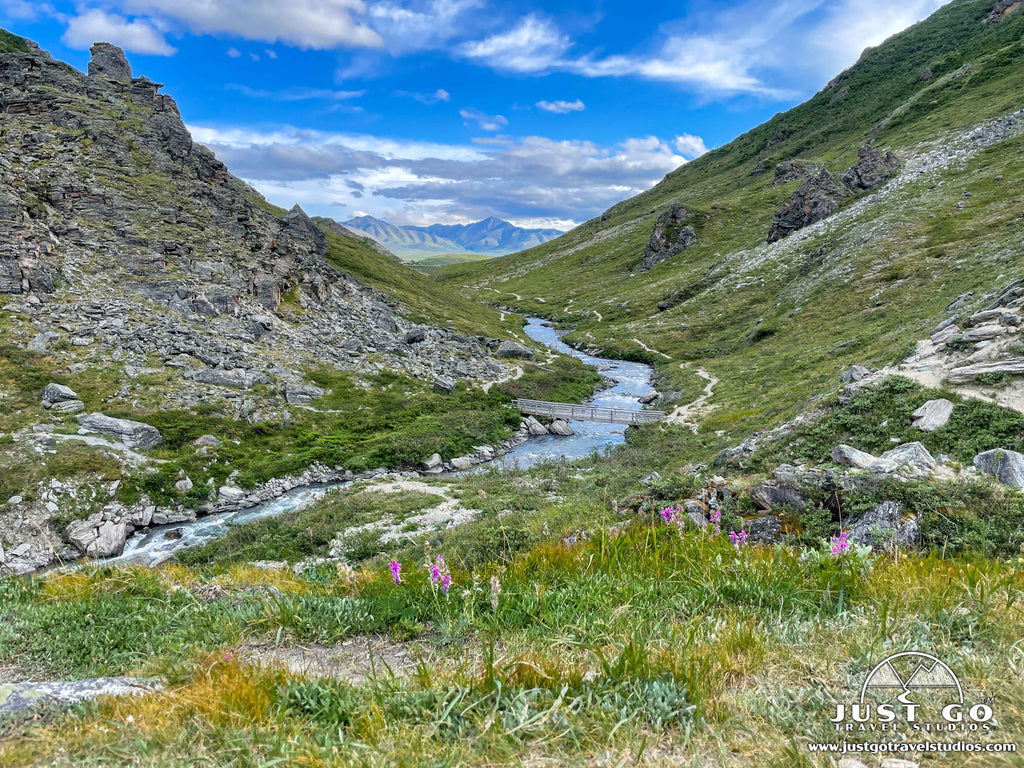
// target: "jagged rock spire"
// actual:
[[109, 62]]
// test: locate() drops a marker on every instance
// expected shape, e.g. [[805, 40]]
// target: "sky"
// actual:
[[539, 112]]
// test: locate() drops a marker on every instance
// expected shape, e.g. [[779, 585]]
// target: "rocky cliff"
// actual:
[[121, 236]]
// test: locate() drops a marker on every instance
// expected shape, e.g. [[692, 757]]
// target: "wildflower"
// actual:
[[738, 539], [229, 656], [495, 591], [715, 516], [439, 573], [446, 582], [840, 544], [396, 571], [667, 514]]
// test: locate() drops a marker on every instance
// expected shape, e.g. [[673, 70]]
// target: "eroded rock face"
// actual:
[[96, 537], [791, 170], [109, 62], [671, 235], [817, 198], [1002, 9], [872, 168]]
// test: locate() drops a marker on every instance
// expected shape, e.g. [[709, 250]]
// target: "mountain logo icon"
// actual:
[[903, 673]]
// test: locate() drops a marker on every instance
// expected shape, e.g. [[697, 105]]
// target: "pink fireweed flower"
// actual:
[[840, 544], [396, 571], [738, 539]]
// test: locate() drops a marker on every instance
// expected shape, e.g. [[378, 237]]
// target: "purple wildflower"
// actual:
[[446, 582], [668, 514], [738, 539], [396, 571], [840, 544]]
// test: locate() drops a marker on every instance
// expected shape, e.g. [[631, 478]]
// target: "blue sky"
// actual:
[[423, 111]]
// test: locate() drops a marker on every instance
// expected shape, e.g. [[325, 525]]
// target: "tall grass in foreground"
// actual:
[[640, 646]]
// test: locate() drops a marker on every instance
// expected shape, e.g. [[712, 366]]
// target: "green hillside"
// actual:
[[777, 323]]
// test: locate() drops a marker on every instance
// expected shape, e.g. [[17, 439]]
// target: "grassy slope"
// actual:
[[876, 283], [12, 43]]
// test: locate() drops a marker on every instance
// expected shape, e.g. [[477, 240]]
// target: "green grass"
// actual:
[[12, 43], [647, 640], [295, 535]]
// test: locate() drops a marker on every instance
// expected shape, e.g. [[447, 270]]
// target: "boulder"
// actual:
[[300, 394], [230, 493], [817, 198], [415, 336], [432, 463], [560, 427], [134, 434], [884, 528], [984, 333], [649, 397], [848, 456], [535, 427], [57, 393], [514, 349], [766, 529], [208, 441], [671, 235], [872, 168], [770, 496], [184, 485], [443, 385], [1013, 366], [854, 373], [932, 415], [462, 462], [171, 516], [911, 455], [96, 537], [68, 406], [1005, 466], [109, 63]]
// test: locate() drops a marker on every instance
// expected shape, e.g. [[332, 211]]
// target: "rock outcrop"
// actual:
[[817, 198], [122, 238], [671, 236], [872, 168], [134, 434], [885, 528]]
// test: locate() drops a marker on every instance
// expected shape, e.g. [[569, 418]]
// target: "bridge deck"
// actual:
[[588, 412]]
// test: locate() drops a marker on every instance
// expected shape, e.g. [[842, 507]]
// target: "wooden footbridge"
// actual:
[[588, 412]]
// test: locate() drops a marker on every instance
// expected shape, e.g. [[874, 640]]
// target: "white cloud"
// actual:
[[420, 24], [427, 98], [748, 49], [138, 36], [22, 9], [296, 94], [851, 26], [529, 179], [534, 45], [483, 121], [562, 107], [271, 54], [254, 56], [317, 24], [690, 146], [234, 53]]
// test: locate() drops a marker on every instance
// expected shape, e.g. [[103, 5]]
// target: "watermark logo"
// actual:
[[915, 704], [915, 691]]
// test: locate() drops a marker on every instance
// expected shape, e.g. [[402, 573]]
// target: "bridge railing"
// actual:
[[571, 412]]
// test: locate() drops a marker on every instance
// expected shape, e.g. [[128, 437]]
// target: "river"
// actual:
[[628, 382]]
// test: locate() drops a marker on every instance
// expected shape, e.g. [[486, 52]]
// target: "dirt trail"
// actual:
[[687, 415], [516, 373], [652, 351]]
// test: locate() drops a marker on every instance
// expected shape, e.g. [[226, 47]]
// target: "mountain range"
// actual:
[[492, 237]]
